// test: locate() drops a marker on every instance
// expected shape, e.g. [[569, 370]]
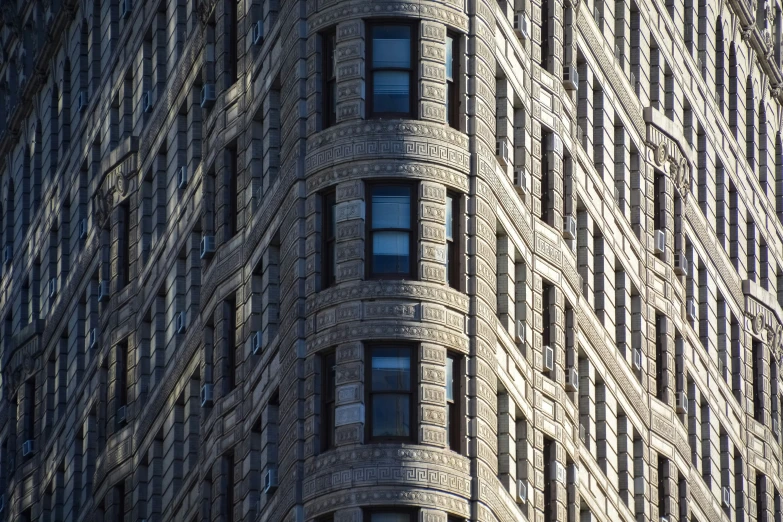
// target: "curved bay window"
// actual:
[[392, 74], [391, 230], [390, 392]]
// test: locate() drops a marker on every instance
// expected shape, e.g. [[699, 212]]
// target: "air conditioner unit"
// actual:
[[570, 77], [501, 151], [521, 492], [179, 322], [207, 95], [660, 241], [573, 474], [258, 32], [637, 359], [93, 338], [146, 101], [726, 497], [122, 414], [270, 480], [569, 227], [690, 309], [83, 100], [206, 395], [680, 264], [8, 253], [554, 144], [549, 359], [682, 402], [182, 177], [520, 331], [572, 380], [127, 7], [28, 448], [82, 229], [207, 246], [257, 342], [104, 291], [558, 472], [520, 181], [520, 26]]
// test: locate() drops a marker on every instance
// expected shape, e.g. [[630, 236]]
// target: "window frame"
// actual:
[[412, 274], [328, 83], [328, 403], [367, 512], [453, 250], [413, 70], [328, 242], [412, 437], [454, 407], [452, 85]]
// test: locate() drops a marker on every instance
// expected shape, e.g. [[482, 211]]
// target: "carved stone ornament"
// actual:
[[121, 184], [746, 35], [660, 154], [758, 323], [204, 9], [102, 206], [685, 177]]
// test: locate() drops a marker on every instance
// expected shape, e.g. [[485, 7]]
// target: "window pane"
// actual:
[[450, 379], [391, 91], [330, 205], [449, 218], [391, 47], [390, 415], [390, 252], [391, 369], [390, 517], [391, 207], [449, 58]]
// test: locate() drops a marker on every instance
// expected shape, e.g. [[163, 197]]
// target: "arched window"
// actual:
[[720, 73], [733, 92], [750, 125]]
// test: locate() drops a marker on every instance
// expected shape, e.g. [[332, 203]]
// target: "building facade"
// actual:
[[391, 260]]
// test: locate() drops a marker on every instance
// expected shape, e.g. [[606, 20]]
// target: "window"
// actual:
[[390, 392], [452, 73], [391, 232], [452, 247], [453, 401], [328, 258], [327, 400], [391, 75], [329, 113], [383, 515]]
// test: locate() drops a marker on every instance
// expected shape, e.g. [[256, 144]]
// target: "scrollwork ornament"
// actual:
[[685, 177], [102, 206]]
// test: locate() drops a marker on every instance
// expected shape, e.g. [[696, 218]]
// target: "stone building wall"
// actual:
[[591, 316]]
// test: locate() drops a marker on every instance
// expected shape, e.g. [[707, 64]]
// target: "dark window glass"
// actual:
[[329, 238], [452, 73], [390, 517], [452, 242], [453, 398], [390, 392], [391, 70], [391, 230], [329, 116], [327, 399]]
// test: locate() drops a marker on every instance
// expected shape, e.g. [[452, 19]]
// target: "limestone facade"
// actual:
[[584, 321]]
